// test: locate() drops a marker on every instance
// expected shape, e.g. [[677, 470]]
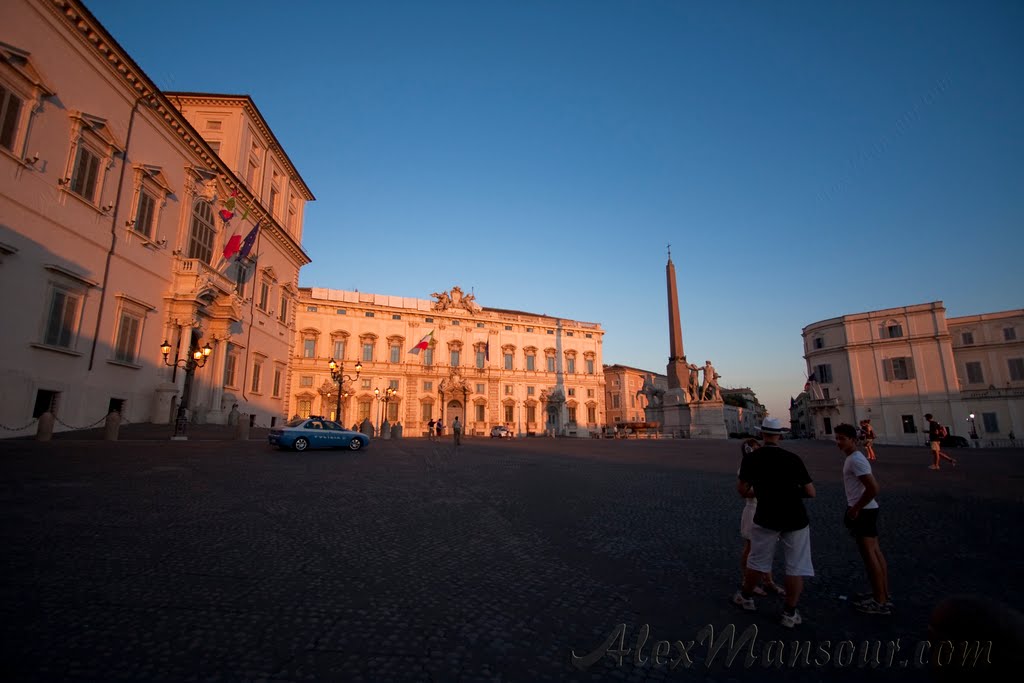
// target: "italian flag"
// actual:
[[423, 344]]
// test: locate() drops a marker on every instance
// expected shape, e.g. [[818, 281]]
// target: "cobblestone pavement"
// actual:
[[181, 561]]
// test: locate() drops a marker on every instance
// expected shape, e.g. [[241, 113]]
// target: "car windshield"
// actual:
[[333, 426], [296, 422]]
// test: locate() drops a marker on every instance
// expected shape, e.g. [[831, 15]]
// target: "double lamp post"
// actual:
[[339, 376], [188, 364]]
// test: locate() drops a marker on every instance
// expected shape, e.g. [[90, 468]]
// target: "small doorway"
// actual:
[[455, 409], [46, 401], [116, 405]]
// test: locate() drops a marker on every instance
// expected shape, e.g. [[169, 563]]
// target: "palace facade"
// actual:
[[536, 374], [894, 365], [123, 211]]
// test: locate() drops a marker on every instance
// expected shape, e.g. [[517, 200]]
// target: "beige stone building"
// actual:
[[112, 235], [894, 365], [623, 402], [488, 366]]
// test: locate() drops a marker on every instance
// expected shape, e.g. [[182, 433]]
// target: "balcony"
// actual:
[[193, 276], [992, 392], [824, 403]]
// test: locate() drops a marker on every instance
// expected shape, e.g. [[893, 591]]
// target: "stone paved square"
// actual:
[[230, 561]]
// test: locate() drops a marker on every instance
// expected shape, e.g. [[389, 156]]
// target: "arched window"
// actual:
[[200, 241]]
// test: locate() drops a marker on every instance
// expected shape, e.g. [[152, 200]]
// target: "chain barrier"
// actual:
[[97, 423], [19, 429]]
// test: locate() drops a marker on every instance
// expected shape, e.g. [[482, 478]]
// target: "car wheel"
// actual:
[[301, 444], [355, 444]]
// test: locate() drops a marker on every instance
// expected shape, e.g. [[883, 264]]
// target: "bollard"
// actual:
[[111, 426], [385, 430], [396, 431], [44, 431], [242, 428]]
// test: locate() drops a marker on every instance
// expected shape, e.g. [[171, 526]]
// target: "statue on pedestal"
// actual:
[[710, 389]]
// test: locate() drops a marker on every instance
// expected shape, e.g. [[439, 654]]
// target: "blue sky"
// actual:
[[804, 159]]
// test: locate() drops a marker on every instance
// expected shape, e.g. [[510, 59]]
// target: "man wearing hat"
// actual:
[[781, 482]]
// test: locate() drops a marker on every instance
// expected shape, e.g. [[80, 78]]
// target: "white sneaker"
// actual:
[[746, 603], [791, 620]]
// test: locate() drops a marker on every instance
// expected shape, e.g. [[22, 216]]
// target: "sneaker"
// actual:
[[871, 606], [864, 597], [746, 603], [933, 467], [791, 620]]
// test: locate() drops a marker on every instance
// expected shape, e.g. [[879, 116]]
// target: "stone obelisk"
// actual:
[[676, 370]]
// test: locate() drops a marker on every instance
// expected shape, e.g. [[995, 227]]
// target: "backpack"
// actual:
[[941, 432]]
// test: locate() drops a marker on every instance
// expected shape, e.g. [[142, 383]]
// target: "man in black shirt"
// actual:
[[781, 482]]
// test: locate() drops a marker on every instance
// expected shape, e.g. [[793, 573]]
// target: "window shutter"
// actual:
[[910, 367], [887, 369]]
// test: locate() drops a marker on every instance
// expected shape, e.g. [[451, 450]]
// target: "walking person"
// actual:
[[867, 434], [861, 518], [936, 433], [457, 431], [781, 482], [430, 430], [746, 524], [440, 429]]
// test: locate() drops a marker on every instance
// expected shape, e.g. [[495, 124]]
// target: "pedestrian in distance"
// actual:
[[861, 518], [440, 429], [936, 433], [457, 431], [749, 447], [430, 430], [867, 435], [781, 482]]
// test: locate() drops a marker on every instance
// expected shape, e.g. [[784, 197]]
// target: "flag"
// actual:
[[234, 242], [423, 343], [807, 384], [250, 239]]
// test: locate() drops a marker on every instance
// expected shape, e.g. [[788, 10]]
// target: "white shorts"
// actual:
[[747, 520], [797, 546]]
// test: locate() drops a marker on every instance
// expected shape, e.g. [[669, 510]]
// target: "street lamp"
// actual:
[[189, 365], [974, 426], [389, 395], [339, 376]]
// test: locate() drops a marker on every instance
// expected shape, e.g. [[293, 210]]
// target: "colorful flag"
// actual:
[[423, 343], [810, 379], [250, 239], [234, 242]]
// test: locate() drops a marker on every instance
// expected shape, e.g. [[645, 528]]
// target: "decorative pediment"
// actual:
[[83, 123], [20, 62], [269, 273], [154, 174]]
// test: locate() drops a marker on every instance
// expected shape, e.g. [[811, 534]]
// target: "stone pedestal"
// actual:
[[675, 414], [163, 404], [707, 420]]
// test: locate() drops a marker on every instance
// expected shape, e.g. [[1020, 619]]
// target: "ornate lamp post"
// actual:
[[339, 376], [974, 426], [189, 365], [386, 398]]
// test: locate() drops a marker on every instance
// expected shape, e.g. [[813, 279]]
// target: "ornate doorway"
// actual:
[[453, 410]]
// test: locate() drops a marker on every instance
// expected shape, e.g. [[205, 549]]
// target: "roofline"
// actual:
[[913, 308], [262, 120]]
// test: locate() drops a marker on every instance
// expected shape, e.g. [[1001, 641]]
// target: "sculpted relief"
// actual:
[[455, 299]]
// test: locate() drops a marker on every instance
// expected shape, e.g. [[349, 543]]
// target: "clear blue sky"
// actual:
[[804, 159]]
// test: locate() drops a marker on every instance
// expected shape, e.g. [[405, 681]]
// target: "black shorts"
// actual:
[[866, 524]]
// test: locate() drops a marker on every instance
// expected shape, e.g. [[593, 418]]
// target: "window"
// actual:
[[531, 362], [592, 414], [428, 386], [898, 369], [363, 409], [368, 314], [892, 330], [202, 233], [428, 357], [551, 331], [455, 323], [1009, 334], [393, 384], [396, 353], [230, 367], [616, 401], [590, 393], [304, 407], [529, 329], [310, 309], [309, 348], [340, 311], [85, 175], [823, 373], [1016, 369], [508, 328], [293, 210], [572, 392], [395, 316], [479, 324], [508, 361], [588, 335], [306, 381], [284, 308], [455, 359], [63, 317], [339, 349], [273, 199], [479, 388], [480, 357], [530, 391], [568, 334], [264, 298], [590, 366], [570, 364], [257, 375], [908, 424], [509, 417], [10, 113], [819, 343], [368, 351], [990, 422], [277, 383], [428, 412], [828, 425], [428, 320], [551, 363], [531, 414], [508, 389], [967, 338], [144, 214], [974, 373], [129, 330], [393, 411], [366, 383], [572, 415]]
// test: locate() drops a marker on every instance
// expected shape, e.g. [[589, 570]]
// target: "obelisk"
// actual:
[[677, 371]]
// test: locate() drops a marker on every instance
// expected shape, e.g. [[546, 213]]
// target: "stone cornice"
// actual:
[[82, 24]]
